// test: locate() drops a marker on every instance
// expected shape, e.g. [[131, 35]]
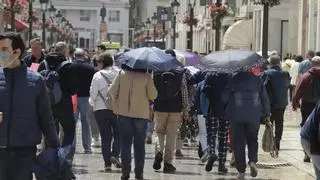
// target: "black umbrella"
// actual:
[[231, 61]]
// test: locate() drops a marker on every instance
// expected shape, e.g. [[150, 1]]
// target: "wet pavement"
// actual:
[[289, 165]]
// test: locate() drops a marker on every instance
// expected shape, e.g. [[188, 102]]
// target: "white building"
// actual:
[[84, 15]]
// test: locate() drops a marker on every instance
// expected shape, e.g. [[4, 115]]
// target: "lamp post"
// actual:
[[142, 29], [154, 19], [191, 6], [30, 19], [164, 18], [217, 28], [58, 20], [63, 25], [148, 23], [175, 6], [52, 11], [44, 8]]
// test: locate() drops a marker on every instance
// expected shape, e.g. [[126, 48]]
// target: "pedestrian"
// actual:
[[294, 74], [37, 55], [216, 122], [277, 83], [132, 92], [305, 65], [310, 139], [63, 110], [247, 102], [103, 111], [307, 91], [25, 111]]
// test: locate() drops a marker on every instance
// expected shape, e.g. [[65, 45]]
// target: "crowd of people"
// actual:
[[119, 107]]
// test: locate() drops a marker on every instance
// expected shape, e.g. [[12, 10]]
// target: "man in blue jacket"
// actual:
[[25, 112], [277, 83]]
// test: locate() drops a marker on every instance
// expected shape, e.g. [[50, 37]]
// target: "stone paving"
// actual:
[[288, 166]]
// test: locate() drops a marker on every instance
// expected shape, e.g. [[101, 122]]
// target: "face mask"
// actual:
[[5, 59]]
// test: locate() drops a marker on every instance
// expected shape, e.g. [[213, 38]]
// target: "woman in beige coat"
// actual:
[[132, 92]]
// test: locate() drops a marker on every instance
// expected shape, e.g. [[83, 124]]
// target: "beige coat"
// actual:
[[131, 93]]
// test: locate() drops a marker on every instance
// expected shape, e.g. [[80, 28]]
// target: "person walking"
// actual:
[[307, 91], [102, 108], [246, 102], [294, 75], [277, 83], [25, 111], [305, 65], [310, 139], [85, 74], [216, 122], [37, 55], [131, 93]]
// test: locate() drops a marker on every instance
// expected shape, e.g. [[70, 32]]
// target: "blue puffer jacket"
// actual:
[[26, 110], [246, 98]]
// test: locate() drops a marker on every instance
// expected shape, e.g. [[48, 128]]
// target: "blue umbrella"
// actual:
[[231, 61], [149, 58]]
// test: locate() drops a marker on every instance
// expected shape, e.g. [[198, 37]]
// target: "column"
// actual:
[[311, 26], [318, 27]]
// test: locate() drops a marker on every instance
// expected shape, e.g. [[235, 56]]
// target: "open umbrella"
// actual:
[[189, 58], [231, 61], [149, 58]]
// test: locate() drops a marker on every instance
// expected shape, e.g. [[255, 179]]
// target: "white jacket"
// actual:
[[99, 83]]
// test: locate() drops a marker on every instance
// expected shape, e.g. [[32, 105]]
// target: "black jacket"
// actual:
[[84, 75], [30, 59]]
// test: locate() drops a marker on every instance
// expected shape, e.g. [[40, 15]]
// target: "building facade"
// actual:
[[84, 15]]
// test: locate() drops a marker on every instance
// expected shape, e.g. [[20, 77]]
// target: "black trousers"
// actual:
[[15, 163], [277, 117], [306, 110]]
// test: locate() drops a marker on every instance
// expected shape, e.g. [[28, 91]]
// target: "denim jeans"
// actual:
[[132, 131], [242, 131], [108, 125], [315, 158], [150, 128], [277, 117], [83, 111], [93, 124], [202, 132], [15, 163]]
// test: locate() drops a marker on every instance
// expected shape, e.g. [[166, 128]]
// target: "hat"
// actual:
[[102, 46]]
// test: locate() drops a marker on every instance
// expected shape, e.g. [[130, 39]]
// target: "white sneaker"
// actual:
[[241, 176], [253, 169], [96, 143]]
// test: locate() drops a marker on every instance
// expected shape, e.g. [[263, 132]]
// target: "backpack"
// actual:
[[168, 84], [52, 79], [312, 93]]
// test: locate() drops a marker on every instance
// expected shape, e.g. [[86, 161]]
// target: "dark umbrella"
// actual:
[[51, 164], [149, 58], [231, 61]]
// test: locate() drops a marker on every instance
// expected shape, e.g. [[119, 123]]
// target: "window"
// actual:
[[84, 15], [114, 16]]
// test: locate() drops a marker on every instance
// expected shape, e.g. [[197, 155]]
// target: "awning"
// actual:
[[19, 25], [239, 35]]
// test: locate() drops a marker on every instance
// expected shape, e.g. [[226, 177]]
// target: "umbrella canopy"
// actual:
[[149, 58], [231, 61], [188, 58]]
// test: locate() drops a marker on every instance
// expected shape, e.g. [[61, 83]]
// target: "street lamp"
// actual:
[[44, 8], [30, 19], [191, 7], [164, 18], [154, 20], [142, 29], [148, 24], [175, 7], [52, 11]]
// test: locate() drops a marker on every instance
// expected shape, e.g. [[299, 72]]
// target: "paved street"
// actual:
[[288, 166]]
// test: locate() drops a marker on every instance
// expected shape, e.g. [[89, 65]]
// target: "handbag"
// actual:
[[268, 140]]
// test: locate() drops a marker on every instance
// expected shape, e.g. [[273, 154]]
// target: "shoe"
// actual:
[[88, 151], [157, 161], [149, 140], [241, 176], [205, 157], [107, 169], [140, 178], [96, 143], [222, 168], [125, 177], [210, 163], [169, 168], [179, 153], [306, 158], [116, 162], [253, 169]]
